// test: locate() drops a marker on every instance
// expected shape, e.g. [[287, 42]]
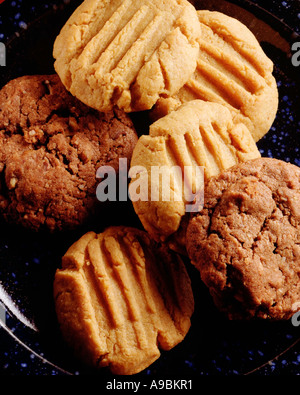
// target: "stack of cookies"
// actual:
[[208, 88]]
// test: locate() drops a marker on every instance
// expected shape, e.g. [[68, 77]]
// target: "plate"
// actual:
[[30, 341]]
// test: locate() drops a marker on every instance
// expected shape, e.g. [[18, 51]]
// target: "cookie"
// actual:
[[197, 135], [119, 297], [127, 53], [246, 240], [232, 70], [50, 148]]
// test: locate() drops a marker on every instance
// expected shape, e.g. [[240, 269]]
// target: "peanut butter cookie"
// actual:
[[120, 297], [197, 135], [232, 70], [127, 53]]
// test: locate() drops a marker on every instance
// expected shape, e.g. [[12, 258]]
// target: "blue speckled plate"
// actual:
[[30, 341]]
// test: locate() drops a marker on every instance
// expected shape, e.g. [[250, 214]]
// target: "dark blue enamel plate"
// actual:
[[30, 342]]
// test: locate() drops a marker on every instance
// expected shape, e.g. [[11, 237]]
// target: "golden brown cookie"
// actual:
[[246, 240], [197, 134], [127, 53], [119, 297], [232, 70]]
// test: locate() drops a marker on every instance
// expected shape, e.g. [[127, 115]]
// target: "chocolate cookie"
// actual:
[[246, 241], [50, 148]]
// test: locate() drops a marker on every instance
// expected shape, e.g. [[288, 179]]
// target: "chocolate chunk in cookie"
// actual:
[[246, 241], [51, 146]]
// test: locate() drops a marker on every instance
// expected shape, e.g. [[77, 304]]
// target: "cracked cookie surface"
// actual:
[[120, 298], [246, 241], [127, 53], [50, 148]]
